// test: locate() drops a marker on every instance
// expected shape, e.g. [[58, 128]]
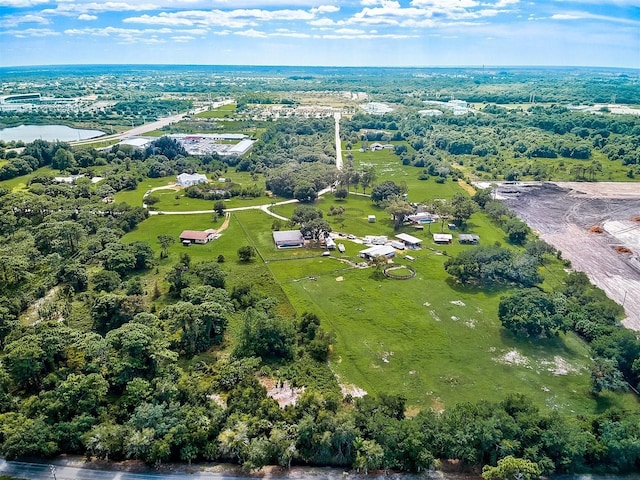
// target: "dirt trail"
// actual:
[[563, 213]]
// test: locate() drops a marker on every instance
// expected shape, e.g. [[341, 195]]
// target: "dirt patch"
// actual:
[[281, 392], [349, 389], [622, 249], [32, 315], [596, 229], [562, 216], [513, 357], [466, 187], [635, 218], [339, 279]]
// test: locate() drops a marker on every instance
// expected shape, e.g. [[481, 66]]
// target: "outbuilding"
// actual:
[[468, 238], [372, 219], [288, 239], [189, 179], [187, 237], [442, 238], [409, 240], [378, 250]]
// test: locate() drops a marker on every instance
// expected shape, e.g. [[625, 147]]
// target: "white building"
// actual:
[[189, 179]]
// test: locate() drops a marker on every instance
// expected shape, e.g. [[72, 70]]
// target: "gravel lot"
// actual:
[[563, 212]]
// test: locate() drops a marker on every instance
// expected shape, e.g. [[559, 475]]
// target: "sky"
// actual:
[[420, 33]]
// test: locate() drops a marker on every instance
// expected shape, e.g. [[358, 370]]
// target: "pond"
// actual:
[[51, 133]]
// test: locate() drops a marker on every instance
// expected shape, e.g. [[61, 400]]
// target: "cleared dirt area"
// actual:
[[565, 214]]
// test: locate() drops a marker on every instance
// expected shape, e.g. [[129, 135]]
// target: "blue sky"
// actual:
[[323, 32]]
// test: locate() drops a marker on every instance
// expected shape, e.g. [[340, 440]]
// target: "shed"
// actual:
[[195, 236], [372, 219], [409, 240], [188, 179], [378, 250], [330, 243], [443, 238], [468, 238], [288, 239]]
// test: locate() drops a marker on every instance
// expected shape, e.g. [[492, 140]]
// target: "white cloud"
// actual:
[[591, 16], [72, 9], [31, 32], [251, 33], [21, 3], [11, 21], [322, 22], [183, 38], [87, 17], [325, 9]]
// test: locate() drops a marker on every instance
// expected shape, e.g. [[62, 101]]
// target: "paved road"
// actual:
[[42, 471], [264, 208], [148, 127], [337, 117]]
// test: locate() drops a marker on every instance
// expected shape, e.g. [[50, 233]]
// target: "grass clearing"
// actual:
[[20, 183], [225, 111], [434, 341]]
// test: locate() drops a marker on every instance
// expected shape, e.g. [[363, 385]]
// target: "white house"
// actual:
[[188, 179], [188, 237]]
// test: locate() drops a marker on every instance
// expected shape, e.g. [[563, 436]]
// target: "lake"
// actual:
[[51, 133]]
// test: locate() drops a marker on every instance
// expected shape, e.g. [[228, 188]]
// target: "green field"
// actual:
[[222, 112], [20, 183], [427, 338]]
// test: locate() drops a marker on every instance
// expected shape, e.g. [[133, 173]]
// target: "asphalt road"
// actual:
[[43, 471]]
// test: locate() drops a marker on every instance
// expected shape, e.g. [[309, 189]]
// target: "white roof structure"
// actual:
[[409, 239], [442, 237], [385, 250], [188, 179], [288, 238], [137, 142], [240, 148]]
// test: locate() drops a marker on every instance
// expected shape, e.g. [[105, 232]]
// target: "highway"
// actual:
[[148, 127]]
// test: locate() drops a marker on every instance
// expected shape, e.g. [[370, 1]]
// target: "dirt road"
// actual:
[[563, 213]]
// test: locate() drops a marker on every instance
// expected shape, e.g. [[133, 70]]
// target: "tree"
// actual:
[[106, 281], [605, 375], [246, 253], [482, 196], [143, 254], [398, 209], [305, 213], [512, 468], [369, 455], [218, 207], [165, 242], [531, 313], [341, 193], [210, 273], [262, 335], [462, 207], [317, 229], [384, 191], [517, 230], [367, 177], [305, 192]]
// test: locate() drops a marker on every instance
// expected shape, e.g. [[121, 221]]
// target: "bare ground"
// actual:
[[563, 213]]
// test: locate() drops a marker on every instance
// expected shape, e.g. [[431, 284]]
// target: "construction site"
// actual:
[[595, 225]]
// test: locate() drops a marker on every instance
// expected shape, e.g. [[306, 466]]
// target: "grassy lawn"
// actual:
[[222, 112], [431, 340], [177, 201], [20, 183], [428, 338]]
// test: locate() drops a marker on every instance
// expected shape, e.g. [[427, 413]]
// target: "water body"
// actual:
[[51, 133]]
